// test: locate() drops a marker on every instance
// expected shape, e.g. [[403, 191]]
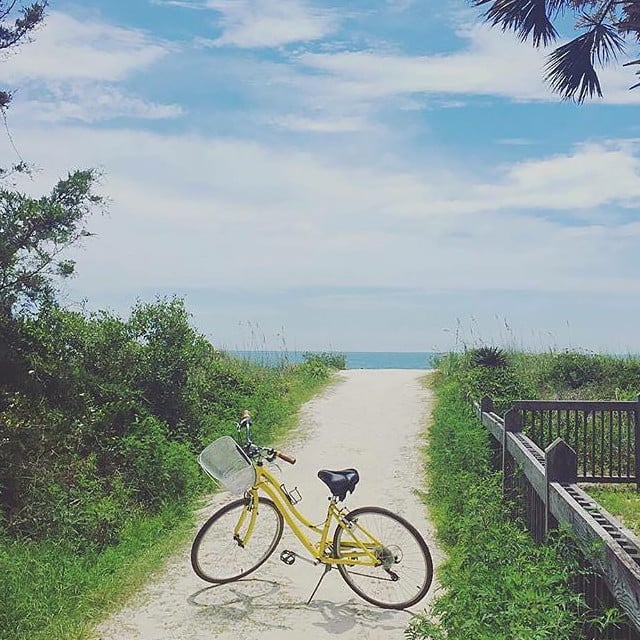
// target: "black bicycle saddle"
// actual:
[[340, 482]]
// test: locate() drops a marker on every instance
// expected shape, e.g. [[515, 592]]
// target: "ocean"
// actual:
[[355, 359]]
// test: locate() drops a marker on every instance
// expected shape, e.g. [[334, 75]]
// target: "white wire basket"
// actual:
[[228, 465]]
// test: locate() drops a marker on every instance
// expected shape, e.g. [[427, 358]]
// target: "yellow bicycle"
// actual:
[[380, 555]]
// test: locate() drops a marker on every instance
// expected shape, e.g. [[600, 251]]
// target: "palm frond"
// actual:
[[630, 22], [557, 6], [553, 7], [525, 17], [570, 71], [597, 6], [607, 43], [629, 64]]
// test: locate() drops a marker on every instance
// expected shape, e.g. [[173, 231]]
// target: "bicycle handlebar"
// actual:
[[253, 449], [285, 457]]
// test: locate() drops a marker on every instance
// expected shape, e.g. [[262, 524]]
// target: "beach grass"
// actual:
[[622, 501]]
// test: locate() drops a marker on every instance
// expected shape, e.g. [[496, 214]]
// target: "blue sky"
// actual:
[[371, 175]]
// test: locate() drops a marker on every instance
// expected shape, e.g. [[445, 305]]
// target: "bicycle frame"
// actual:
[[354, 551]]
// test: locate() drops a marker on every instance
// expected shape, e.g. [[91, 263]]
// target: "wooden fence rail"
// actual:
[[604, 434], [548, 480]]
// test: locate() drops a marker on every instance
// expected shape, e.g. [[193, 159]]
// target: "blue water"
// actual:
[[355, 359]]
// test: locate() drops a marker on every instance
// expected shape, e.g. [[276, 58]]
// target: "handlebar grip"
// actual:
[[245, 421], [285, 457]]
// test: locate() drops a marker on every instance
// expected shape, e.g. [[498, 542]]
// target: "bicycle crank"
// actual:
[[289, 557]]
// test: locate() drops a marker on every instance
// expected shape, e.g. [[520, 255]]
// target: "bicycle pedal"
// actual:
[[288, 557]]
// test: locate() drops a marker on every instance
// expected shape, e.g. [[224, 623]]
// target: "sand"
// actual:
[[372, 420]]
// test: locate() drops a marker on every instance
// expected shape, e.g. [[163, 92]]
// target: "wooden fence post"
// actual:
[[560, 465], [512, 423], [636, 442], [486, 404]]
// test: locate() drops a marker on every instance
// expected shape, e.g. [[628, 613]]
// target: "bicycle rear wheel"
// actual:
[[403, 572], [218, 556]]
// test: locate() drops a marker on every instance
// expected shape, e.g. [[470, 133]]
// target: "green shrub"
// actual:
[[624, 376], [574, 370], [100, 421], [330, 359], [315, 369], [155, 468], [497, 584], [491, 357], [319, 366], [501, 383], [116, 408], [67, 499]]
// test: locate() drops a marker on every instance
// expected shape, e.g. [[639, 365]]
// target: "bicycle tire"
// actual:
[[410, 564], [218, 558]]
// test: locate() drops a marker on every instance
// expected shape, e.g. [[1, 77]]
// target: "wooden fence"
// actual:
[[604, 435], [543, 484]]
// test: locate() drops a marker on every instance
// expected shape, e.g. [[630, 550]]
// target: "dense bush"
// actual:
[[577, 375], [572, 370], [104, 416], [100, 423], [487, 373], [510, 376], [324, 361], [498, 585], [158, 467]]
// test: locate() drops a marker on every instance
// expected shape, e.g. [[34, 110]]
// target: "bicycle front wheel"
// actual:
[[402, 571], [225, 549]]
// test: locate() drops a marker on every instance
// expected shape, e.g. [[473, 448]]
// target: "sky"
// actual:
[[383, 175]]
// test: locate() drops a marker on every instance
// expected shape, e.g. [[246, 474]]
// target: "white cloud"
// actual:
[[182, 4], [338, 124], [493, 63], [90, 103], [270, 23], [189, 211], [73, 71], [71, 49], [592, 176]]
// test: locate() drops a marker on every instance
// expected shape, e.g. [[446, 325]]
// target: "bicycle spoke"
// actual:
[[403, 570], [236, 540]]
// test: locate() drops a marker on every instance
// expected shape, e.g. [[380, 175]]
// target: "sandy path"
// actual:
[[370, 420]]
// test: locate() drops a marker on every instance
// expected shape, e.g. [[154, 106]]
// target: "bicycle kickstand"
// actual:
[[327, 568]]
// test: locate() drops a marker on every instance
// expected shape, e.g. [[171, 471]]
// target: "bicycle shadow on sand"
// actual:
[[261, 604]]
